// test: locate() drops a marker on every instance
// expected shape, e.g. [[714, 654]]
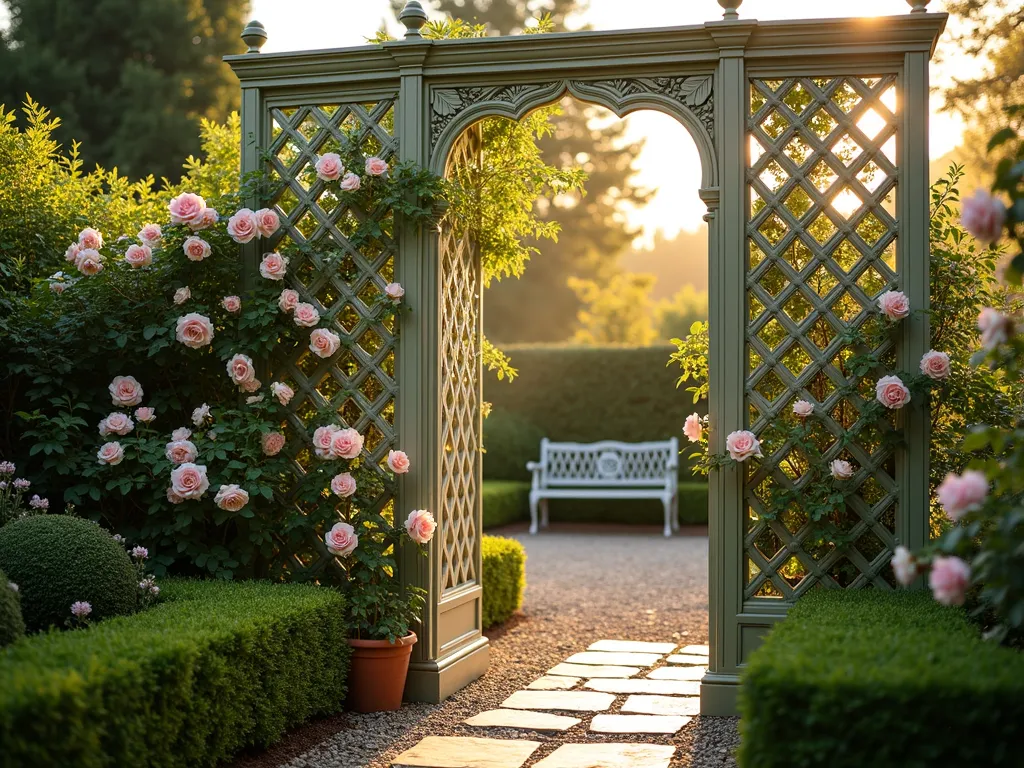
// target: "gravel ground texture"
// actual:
[[584, 583]]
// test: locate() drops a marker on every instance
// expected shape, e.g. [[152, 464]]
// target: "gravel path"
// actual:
[[583, 584]]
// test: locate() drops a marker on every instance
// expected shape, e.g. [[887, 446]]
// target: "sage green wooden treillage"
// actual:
[[813, 139]]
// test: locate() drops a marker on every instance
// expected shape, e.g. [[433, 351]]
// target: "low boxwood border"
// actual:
[[213, 668], [504, 578], [870, 678], [505, 502]]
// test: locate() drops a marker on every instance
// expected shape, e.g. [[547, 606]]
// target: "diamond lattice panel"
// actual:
[[821, 233], [342, 282]]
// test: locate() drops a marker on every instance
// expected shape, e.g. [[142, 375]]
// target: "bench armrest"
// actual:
[[534, 466]]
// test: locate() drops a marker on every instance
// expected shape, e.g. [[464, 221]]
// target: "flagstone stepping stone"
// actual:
[[553, 683], [688, 658], [677, 673], [662, 705], [638, 723], [568, 701], [655, 687], [701, 649], [632, 646], [523, 718], [608, 756], [587, 670], [615, 659], [466, 752]]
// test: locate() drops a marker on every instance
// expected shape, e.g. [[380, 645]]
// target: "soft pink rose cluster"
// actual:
[[246, 225], [960, 494], [743, 444], [335, 442]]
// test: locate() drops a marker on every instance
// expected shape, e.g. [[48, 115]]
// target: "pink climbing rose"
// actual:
[[904, 566], [289, 300], [111, 454], [322, 437], [181, 451], [743, 444], [207, 220], [891, 392], [89, 262], [195, 248], [995, 328], [273, 266], [802, 409], [841, 470], [983, 216], [125, 391], [960, 494], [182, 295], [241, 369], [181, 433], [189, 480], [150, 235], [329, 167], [272, 442], [231, 498], [343, 485], [949, 579], [282, 392], [145, 415], [186, 208], [305, 315], [375, 166], [420, 526], [398, 462], [194, 330], [323, 343], [267, 221], [693, 428], [894, 305], [346, 444], [138, 256], [394, 291], [231, 304], [90, 238], [341, 540], [242, 226], [350, 183], [935, 365], [116, 423]]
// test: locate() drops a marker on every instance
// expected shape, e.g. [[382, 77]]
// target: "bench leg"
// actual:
[[544, 513], [675, 513], [533, 515], [668, 515]]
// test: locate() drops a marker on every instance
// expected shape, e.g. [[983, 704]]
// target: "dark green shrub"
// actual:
[[213, 668], [871, 678], [12, 626], [515, 440], [504, 578], [505, 501], [57, 560]]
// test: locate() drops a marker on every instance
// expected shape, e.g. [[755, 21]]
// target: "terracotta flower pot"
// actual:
[[377, 678]]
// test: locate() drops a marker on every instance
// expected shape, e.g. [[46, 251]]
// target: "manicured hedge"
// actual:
[[213, 668], [504, 579], [871, 678], [505, 502]]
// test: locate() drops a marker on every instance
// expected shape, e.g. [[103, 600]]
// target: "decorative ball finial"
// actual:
[[413, 17], [918, 6], [730, 9], [254, 35]]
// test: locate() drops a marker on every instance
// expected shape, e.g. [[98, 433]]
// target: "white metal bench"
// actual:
[[606, 470]]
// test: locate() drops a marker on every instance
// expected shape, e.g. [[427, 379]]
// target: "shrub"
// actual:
[[57, 560], [504, 578], [505, 502], [860, 678], [12, 625], [213, 668]]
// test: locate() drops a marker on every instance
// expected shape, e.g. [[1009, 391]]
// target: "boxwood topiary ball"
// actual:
[[57, 560], [12, 625]]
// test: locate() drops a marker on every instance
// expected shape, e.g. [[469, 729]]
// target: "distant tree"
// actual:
[[675, 316], [131, 79], [616, 311], [505, 17]]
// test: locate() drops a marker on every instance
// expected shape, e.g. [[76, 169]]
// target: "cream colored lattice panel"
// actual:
[[343, 282], [821, 232], [460, 389]]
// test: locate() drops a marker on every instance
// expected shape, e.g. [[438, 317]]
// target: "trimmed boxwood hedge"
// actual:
[[214, 667], [504, 578], [505, 502], [871, 678]]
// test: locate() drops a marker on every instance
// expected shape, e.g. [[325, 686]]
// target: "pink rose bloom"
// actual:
[[323, 343], [138, 256], [125, 391], [111, 454], [116, 423], [254, 399], [273, 266], [195, 248], [182, 295], [186, 208], [194, 330], [58, 288], [322, 437], [904, 566], [231, 303], [289, 300], [242, 226], [891, 393], [272, 442], [398, 461], [71, 254], [341, 540], [207, 220], [181, 451], [375, 166], [231, 498], [240, 369], [960, 494], [90, 238], [949, 579], [346, 444], [282, 392], [983, 216], [994, 326], [693, 428], [181, 433], [251, 386], [343, 485], [267, 221], [894, 305], [841, 470], [743, 444], [420, 526], [306, 315], [145, 415], [350, 183], [201, 414], [89, 262], [328, 166], [394, 291], [803, 409], [150, 235], [173, 497], [935, 365], [189, 480]]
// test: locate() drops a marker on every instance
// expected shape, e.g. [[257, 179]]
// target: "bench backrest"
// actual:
[[608, 463]]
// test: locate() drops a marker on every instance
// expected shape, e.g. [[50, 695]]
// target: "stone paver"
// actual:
[[608, 756], [615, 659], [553, 683], [568, 701], [637, 723], [587, 670], [632, 646], [662, 705], [701, 649], [466, 752], [677, 673], [654, 687], [688, 658], [522, 718]]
